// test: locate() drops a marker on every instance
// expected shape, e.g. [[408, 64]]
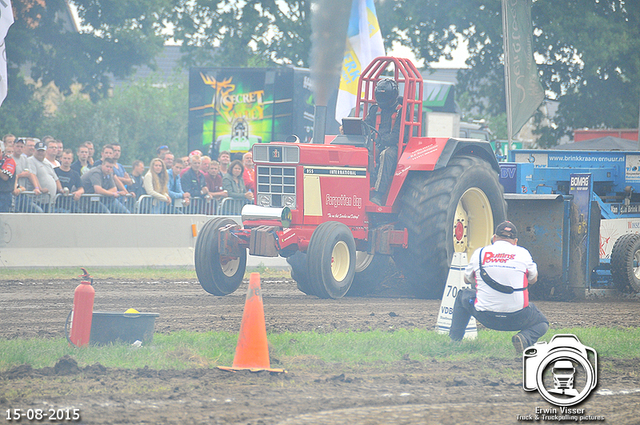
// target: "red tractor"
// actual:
[[312, 205]]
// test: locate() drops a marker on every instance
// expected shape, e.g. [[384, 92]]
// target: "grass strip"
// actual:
[[183, 350], [126, 273]]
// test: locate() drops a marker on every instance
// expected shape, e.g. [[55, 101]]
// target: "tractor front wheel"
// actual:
[[331, 259], [452, 209], [217, 274]]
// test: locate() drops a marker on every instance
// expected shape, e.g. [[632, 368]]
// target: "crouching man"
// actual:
[[500, 275]]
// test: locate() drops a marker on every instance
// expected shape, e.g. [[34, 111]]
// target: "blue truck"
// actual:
[[578, 213]]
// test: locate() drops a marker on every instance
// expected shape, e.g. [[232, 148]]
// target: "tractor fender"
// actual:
[[429, 154], [479, 148]]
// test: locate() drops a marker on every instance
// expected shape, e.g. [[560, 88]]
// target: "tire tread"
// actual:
[[211, 278], [622, 262], [317, 257], [425, 207]]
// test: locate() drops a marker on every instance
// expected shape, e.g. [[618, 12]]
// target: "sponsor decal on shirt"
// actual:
[[490, 257]]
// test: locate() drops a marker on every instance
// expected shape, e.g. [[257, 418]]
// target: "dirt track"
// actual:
[[438, 391]]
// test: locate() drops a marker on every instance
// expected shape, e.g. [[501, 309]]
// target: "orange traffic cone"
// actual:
[[252, 351]]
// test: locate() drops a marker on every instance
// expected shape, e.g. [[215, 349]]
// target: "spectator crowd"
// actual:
[[42, 176]]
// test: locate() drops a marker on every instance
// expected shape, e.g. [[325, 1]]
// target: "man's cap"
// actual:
[[19, 140], [40, 146], [162, 148], [196, 152], [507, 229]]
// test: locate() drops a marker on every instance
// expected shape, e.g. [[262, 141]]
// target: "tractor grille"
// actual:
[[276, 186]]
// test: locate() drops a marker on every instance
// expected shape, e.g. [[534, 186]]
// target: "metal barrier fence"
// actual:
[[146, 204], [29, 202], [231, 206], [92, 203]]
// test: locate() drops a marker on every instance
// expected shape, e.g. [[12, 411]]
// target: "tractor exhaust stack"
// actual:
[[319, 124]]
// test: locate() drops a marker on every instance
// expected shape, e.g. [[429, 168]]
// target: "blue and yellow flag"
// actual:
[[364, 43]]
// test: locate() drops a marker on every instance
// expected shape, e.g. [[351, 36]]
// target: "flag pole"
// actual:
[[505, 41]]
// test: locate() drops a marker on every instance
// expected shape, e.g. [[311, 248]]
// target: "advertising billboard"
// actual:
[[231, 109]]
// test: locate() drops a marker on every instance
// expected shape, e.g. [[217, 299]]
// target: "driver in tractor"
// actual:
[[384, 117]]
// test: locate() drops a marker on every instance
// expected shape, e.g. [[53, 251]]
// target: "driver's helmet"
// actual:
[[240, 128], [386, 92]]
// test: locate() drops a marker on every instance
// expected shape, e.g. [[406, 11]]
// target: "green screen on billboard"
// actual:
[[234, 108]]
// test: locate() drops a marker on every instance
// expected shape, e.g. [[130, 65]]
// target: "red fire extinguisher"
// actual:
[[82, 311]]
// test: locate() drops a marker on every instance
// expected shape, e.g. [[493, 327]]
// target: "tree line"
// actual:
[[586, 53]]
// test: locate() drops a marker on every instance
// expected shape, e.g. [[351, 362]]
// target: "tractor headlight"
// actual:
[[289, 201], [264, 200]]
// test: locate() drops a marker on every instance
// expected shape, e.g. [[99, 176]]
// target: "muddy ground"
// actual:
[[407, 392]]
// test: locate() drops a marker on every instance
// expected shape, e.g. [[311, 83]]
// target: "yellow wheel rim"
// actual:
[[472, 222], [340, 261]]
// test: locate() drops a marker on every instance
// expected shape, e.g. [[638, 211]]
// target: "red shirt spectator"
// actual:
[[7, 179], [214, 181]]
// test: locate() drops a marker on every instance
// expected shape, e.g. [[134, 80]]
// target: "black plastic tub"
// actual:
[[108, 327]]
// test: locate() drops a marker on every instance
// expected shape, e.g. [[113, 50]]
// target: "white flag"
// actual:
[[6, 19], [364, 43]]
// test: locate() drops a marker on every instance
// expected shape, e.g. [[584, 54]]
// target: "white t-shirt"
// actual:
[[54, 164], [508, 264], [22, 164], [46, 177]]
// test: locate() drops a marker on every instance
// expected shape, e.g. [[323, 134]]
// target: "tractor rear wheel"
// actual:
[[625, 263], [453, 209], [217, 274], [371, 271], [331, 259]]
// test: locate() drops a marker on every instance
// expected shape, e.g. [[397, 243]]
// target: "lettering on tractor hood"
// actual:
[[343, 200], [336, 171]]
